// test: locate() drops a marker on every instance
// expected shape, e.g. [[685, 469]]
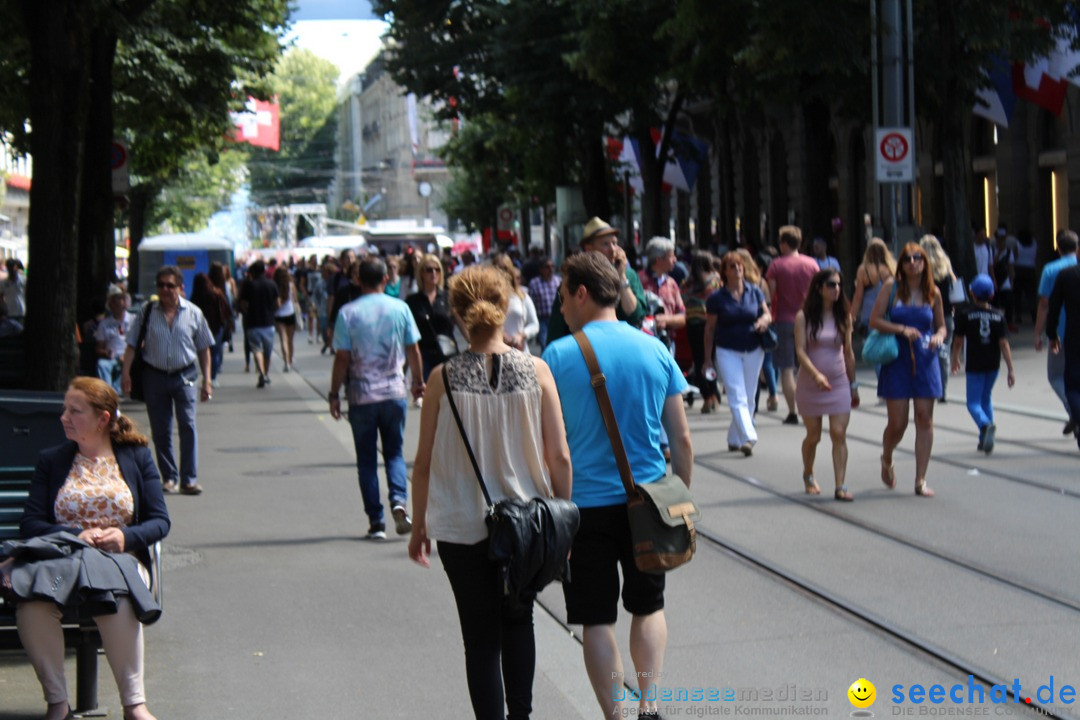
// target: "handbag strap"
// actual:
[[599, 383], [142, 330], [465, 438], [892, 298]]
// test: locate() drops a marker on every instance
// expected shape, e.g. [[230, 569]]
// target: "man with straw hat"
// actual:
[[600, 237]]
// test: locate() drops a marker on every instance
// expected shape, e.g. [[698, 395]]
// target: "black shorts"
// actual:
[[286, 320], [601, 545]]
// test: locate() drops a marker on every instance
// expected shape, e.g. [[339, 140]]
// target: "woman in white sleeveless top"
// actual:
[[512, 416]]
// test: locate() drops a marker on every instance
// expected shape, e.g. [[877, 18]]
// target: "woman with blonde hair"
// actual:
[[522, 324], [103, 487], [768, 370], [917, 320], [493, 386], [877, 266], [941, 270], [430, 307]]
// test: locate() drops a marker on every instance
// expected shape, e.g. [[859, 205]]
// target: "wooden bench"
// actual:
[[81, 637]]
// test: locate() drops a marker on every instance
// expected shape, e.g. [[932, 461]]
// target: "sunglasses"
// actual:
[[912, 258], [433, 270], [167, 286], [832, 284]]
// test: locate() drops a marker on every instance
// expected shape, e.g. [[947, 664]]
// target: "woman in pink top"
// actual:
[[826, 380]]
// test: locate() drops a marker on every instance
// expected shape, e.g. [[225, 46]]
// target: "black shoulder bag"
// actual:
[[529, 540], [136, 372]]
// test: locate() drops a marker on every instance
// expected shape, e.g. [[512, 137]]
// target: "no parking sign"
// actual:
[[895, 150]]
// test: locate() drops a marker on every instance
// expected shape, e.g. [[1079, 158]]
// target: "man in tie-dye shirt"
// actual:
[[374, 336]]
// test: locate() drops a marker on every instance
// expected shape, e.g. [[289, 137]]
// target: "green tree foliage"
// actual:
[[60, 64], [306, 87], [198, 190]]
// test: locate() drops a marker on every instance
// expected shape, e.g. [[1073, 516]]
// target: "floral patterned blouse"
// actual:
[[95, 495]]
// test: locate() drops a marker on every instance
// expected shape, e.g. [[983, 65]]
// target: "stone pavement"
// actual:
[[275, 607]]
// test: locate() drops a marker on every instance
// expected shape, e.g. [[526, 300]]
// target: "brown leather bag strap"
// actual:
[[599, 383]]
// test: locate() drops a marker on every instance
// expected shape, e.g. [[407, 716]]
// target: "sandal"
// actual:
[[842, 494], [811, 485], [922, 490], [888, 474]]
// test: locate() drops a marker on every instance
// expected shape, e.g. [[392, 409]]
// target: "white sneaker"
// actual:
[[402, 523]]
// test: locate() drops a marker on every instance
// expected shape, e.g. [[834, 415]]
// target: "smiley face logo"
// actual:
[[862, 693]]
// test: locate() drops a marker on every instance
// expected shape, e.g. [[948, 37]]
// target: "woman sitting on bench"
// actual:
[[103, 487]]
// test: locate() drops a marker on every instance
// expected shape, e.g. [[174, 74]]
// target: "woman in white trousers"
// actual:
[[735, 317]]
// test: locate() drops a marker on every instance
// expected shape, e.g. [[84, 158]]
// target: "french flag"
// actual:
[[1043, 81], [996, 103]]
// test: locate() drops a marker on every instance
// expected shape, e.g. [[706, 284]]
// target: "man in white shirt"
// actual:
[[111, 336]]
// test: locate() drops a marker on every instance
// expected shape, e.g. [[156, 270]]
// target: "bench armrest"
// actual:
[[155, 572]]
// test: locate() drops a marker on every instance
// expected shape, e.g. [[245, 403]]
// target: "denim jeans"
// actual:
[[380, 421], [217, 353], [164, 392], [1071, 382], [979, 403], [1055, 374], [108, 369]]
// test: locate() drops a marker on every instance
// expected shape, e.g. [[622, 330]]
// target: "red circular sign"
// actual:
[[894, 147], [119, 156]]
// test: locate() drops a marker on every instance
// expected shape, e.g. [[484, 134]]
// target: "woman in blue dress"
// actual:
[[918, 321]]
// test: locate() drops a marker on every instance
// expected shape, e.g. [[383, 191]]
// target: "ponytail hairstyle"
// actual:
[[101, 396], [479, 295]]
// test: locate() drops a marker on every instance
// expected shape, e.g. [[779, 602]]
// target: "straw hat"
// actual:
[[596, 228]]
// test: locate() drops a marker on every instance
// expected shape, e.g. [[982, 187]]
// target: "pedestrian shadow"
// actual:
[[272, 542]]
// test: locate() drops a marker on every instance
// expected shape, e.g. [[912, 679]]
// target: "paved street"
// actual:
[[275, 607]]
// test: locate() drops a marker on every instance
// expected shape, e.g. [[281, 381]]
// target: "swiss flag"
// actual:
[[259, 124]]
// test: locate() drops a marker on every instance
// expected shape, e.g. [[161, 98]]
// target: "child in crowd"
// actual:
[[987, 337]]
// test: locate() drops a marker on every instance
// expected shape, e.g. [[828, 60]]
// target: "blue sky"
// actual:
[[334, 10]]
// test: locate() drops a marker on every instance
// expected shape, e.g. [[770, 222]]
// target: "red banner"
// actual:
[[259, 124]]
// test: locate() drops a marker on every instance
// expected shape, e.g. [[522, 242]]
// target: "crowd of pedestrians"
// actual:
[[500, 337]]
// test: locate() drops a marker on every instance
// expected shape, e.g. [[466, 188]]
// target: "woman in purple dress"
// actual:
[[917, 319], [826, 380]]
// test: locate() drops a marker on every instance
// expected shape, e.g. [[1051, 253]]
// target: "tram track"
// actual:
[[879, 624], [1000, 441], [1024, 586]]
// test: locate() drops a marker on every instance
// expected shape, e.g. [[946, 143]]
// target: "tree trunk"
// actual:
[[97, 252], [956, 168], [58, 32], [652, 179], [817, 218], [140, 199], [594, 189]]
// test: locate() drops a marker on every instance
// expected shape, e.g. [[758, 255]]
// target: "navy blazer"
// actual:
[[151, 521]]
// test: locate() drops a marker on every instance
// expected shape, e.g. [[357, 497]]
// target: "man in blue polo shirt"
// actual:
[[1067, 243], [646, 389]]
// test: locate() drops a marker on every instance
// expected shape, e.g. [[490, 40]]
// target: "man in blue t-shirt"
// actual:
[[374, 336], [645, 386], [1067, 243]]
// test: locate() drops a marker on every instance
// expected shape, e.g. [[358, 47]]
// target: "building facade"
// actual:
[[387, 142]]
